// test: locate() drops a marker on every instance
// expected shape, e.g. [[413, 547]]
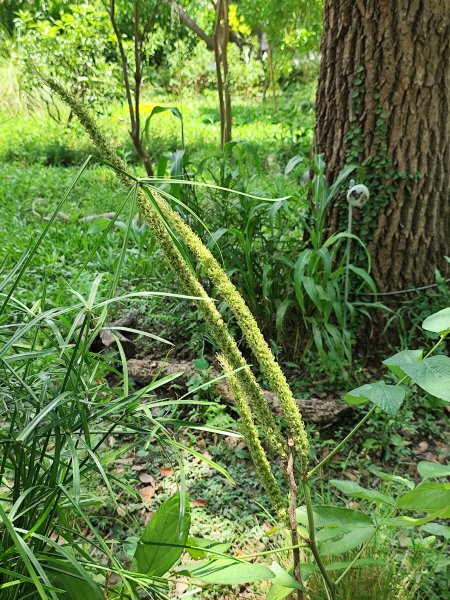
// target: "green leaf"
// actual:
[[285, 578], [164, 538], [278, 592], [76, 582], [334, 516], [389, 477], [202, 545], [348, 541], [426, 497], [432, 375], [283, 584], [387, 397], [406, 357], [340, 529], [357, 491], [439, 322], [429, 470], [406, 521], [226, 571], [292, 163], [437, 529]]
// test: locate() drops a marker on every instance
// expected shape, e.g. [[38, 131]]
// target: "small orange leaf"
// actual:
[[166, 471], [199, 502]]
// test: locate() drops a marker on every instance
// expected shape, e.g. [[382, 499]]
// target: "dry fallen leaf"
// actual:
[[421, 447], [138, 468], [146, 478], [147, 493]]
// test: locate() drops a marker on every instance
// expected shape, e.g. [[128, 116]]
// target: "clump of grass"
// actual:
[[57, 412]]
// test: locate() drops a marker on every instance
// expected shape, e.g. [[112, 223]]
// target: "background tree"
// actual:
[[288, 32], [132, 27], [383, 100], [218, 42]]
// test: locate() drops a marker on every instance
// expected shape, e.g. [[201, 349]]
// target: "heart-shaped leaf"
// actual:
[[387, 397], [406, 357], [432, 375], [439, 322]]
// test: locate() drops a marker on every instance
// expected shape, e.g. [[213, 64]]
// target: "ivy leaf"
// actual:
[[439, 322], [432, 375], [387, 397]]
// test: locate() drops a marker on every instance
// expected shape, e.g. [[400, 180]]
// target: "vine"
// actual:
[[376, 171]]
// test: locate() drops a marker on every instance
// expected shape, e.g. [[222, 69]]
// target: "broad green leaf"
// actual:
[[334, 516], [357, 491], [437, 529], [164, 538], [429, 470], [406, 521], [76, 583], [426, 497], [278, 592], [284, 578], [389, 477], [387, 397], [349, 541], [202, 545], [406, 357], [439, 322], [432, 375], [292, 163], [227, 571]]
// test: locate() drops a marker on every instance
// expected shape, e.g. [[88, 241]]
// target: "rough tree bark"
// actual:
[[398, 54]]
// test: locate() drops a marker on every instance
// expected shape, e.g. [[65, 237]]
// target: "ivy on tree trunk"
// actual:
[[383, 101]]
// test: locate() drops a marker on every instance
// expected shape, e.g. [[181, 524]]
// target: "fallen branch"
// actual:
[[314, 410]]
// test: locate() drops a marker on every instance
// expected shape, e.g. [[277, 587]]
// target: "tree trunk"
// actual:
[[221, 38], [383, 100]]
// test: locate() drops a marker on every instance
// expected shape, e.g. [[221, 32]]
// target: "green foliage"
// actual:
[[164, 538], [77, 48], [226, 571]]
